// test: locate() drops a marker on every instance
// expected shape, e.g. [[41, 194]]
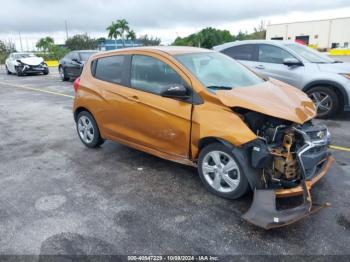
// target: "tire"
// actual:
[[8, 71], [326, 101], [46, 71], [230, 185], [19, 73], [88, 131], [63, 73]]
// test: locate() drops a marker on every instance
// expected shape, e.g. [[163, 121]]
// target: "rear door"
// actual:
[[246, 54]]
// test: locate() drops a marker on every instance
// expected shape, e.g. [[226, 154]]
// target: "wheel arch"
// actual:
[[81, 109], [338, 89], [242, 155]]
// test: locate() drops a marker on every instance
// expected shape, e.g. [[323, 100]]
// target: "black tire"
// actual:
[[332, 101], [97, 139], [63, 74], [8, 71], [18, 71], [46, 71], [242, 186]]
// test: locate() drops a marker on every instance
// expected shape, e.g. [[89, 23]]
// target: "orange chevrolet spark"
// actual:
[[199, 107]]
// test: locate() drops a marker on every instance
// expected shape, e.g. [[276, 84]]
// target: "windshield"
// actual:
[[217, 71], [309, 54], [84, 56], [19, 56]]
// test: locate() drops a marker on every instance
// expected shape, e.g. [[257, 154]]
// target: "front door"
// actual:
[[270, 63]]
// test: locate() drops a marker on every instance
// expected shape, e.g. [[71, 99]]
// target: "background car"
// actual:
[[71, 65], [25, 63], [327, 82]]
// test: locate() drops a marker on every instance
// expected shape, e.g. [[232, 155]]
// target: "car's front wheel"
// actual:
[[326, 101], [220, 172], [88, 130], [8, 71]]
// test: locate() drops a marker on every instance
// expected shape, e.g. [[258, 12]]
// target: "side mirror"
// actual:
[[292, 62], [175, 91], [76, 60]]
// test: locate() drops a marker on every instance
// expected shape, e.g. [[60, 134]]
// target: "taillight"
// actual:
[[76, 84]]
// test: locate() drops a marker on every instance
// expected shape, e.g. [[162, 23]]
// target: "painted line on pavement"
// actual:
[[37, 90]]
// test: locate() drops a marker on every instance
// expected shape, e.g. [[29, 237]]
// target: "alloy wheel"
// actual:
[[323, 102], [86, 129], [221, 171]]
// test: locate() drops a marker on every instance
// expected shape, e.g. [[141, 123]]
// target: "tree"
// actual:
[[58, 52], [118, 28], [113, 32], [149, 41], [123, 27], [81, 42], [131, 35], [45, 44], [5, 49], [206, 38]]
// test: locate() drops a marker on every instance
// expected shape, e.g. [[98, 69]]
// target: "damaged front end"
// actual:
[[291, 158]]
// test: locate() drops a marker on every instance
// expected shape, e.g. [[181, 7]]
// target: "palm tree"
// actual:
[[122, 27], [45, 43], [131, 35], [113, 32]]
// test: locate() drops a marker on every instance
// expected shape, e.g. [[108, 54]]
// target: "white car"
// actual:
[[25, 63]]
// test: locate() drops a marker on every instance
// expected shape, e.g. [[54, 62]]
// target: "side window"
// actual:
[[241, 52], [150, 74], [110, 68], [272, 54], [68, 56], [75, 55]]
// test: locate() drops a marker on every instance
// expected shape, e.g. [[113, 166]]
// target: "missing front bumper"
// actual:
[[263, 212]]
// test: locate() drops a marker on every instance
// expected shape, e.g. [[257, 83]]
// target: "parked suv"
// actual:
[[326, 81], [71, 65], [201, 108]]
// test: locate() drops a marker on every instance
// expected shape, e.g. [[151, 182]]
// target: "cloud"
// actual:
[[95, 15]]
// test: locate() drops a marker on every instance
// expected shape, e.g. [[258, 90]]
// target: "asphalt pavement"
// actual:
[[58, 197]]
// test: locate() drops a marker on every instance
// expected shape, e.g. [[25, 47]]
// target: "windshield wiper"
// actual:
[[337, 61], [220, 87]]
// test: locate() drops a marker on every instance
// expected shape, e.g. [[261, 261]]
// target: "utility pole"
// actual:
[[65, 23], [27, 44], [20, 40]]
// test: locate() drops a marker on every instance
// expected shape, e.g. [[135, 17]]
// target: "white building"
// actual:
[[330, 33]]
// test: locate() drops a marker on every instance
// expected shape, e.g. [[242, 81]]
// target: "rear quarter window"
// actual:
[[110, 69]]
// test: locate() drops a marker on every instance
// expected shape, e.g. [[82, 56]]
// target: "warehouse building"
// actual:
[[323, 34]]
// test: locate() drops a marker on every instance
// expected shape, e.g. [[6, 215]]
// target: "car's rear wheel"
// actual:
[[63, 74], [88, 130], [220, 172], [326, 101]]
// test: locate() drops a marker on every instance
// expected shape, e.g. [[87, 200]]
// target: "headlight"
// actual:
[[347, 75]]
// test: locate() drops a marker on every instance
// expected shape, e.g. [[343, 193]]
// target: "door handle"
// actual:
[[134, 98], [260, 67]]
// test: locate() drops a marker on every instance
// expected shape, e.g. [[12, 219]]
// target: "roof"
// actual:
[[261, 41], [171, 50]]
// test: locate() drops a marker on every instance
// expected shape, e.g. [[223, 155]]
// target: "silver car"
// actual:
[[326, 81]]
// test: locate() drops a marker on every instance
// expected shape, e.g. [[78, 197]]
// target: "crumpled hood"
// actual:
[[33, 60], [273, 98], [338, 68]]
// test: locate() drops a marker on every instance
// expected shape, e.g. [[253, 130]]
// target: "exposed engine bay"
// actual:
[[286, 151], [287, 154]]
